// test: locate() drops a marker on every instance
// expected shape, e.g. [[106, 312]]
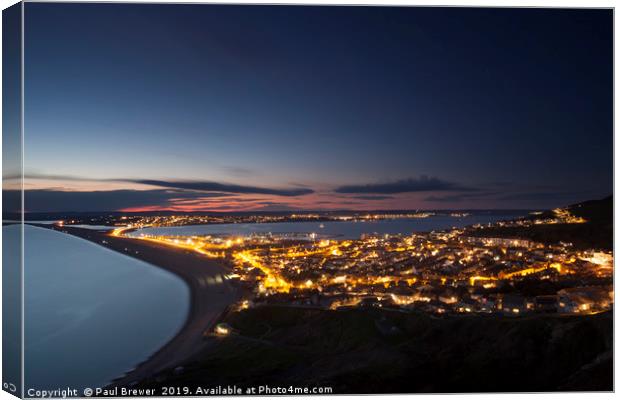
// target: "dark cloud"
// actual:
[[108, 200], [338, 203], [207, 200], [297, 184], [203, 186], [206, 186], [421, 184], [371, 197], [273, 206], [172, 193]]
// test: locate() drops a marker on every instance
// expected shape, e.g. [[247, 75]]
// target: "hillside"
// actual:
[[596, 233], [347, 351]]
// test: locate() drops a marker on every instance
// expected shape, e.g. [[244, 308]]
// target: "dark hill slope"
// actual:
[[597, 233], [347, 350]]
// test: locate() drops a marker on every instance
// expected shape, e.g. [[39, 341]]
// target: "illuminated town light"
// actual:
[[222, 329]]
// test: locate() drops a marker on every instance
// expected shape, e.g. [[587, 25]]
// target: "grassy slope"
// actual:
[[286, 346]]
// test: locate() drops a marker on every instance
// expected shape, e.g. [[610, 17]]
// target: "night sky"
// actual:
[[228, 108]]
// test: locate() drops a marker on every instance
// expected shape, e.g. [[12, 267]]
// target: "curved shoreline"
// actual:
[[210, 296]]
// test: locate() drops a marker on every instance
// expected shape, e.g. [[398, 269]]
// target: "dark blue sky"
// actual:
[[344, 107]]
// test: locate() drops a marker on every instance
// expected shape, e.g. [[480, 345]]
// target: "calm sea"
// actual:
[[91, 313], [344, 230]]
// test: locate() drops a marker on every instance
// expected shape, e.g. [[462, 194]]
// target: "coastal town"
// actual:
[[453, 271], [247, 218], [522, 277]]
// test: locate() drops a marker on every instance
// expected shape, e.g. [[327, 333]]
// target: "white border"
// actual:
[[479, 3]]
